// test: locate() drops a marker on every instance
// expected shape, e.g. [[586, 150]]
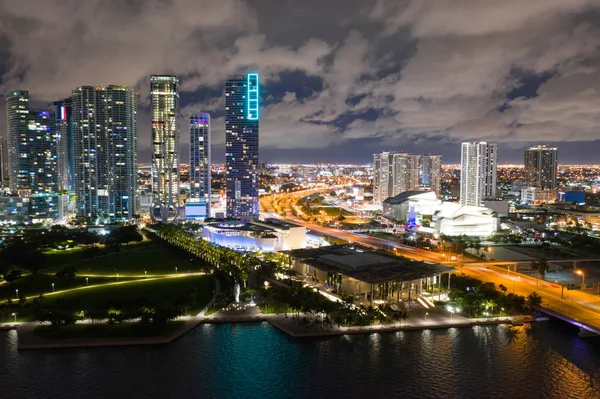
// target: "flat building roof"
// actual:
[[366, 265]]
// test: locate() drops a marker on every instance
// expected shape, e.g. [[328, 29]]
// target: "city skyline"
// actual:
[[385, 79]]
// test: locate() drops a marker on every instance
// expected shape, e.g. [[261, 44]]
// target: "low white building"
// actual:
[[449, 218], [454, 219], [267, 236], [538, 196]]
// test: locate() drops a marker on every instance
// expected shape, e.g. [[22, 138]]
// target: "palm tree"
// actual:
[[541, 266]]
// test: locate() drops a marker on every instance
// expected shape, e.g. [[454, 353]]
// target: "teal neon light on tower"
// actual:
[[242, 112]]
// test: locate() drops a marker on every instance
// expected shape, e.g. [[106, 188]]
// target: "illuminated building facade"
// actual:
[[541, 165], [32, 155], [3, 162], [478, 164], [104, 123], [164, 93], [395, 173], [200, 159], [431, 173], [64, 143], [241, 145]]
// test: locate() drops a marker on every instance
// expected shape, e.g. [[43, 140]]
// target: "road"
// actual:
[[575, 306]]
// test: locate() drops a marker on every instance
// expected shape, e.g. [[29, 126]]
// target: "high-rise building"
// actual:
[[164, 92], [64, 143], [17, 131], [33, 172], [541, 164], [478, 173], [105, 147], [395, 173], [431, 173], [200, 159], [3, 162], [241, 145]]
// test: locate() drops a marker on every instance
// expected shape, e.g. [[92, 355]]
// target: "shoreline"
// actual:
[[27, 340]]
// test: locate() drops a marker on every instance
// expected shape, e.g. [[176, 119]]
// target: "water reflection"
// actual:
[[256, 360]]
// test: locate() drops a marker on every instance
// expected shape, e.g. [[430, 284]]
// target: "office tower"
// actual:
[[200, 160], [164, 92], [3, 162], [105, 148], [32, 155], [541, 164], [478, 173], [241, 145], [394, 173], [64, 143], [431, 173]]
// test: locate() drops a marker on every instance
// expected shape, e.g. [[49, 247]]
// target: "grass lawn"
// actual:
[[125, 330], [58, 258], [274, 309], [154, 258], [33, 285], [158, 290]]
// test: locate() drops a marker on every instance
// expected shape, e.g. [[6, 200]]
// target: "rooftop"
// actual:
[[366, 265]]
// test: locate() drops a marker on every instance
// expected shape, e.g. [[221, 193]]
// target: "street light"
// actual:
[[426, 314], [580, 272], [17, 293], [52, 287], [14, 314], [87, 281], [175, 269], [117, 277]]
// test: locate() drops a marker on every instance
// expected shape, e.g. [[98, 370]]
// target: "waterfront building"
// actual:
[[478, 173], [164, 94], [32, 156], [200, 162], [104, 123], [241, 145], [541, 165], [266, 236]]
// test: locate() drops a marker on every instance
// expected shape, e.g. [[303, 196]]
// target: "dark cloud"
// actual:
[[341, 78]]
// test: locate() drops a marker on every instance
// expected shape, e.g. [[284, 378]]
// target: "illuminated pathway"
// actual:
[[139, 281]]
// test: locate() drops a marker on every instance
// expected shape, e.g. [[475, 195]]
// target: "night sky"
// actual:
[[341, 79]]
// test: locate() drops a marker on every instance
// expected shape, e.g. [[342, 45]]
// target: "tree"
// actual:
[[13, 276], [66, 272], [541, 266], [534, 300]]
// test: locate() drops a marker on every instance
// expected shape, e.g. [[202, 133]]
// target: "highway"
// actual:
[[575, 306]]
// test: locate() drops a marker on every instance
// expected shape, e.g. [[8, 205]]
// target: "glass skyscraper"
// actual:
[[241, 145], [64, 143], [33, 171], [164, 92], [200, 159], [105, 152]]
